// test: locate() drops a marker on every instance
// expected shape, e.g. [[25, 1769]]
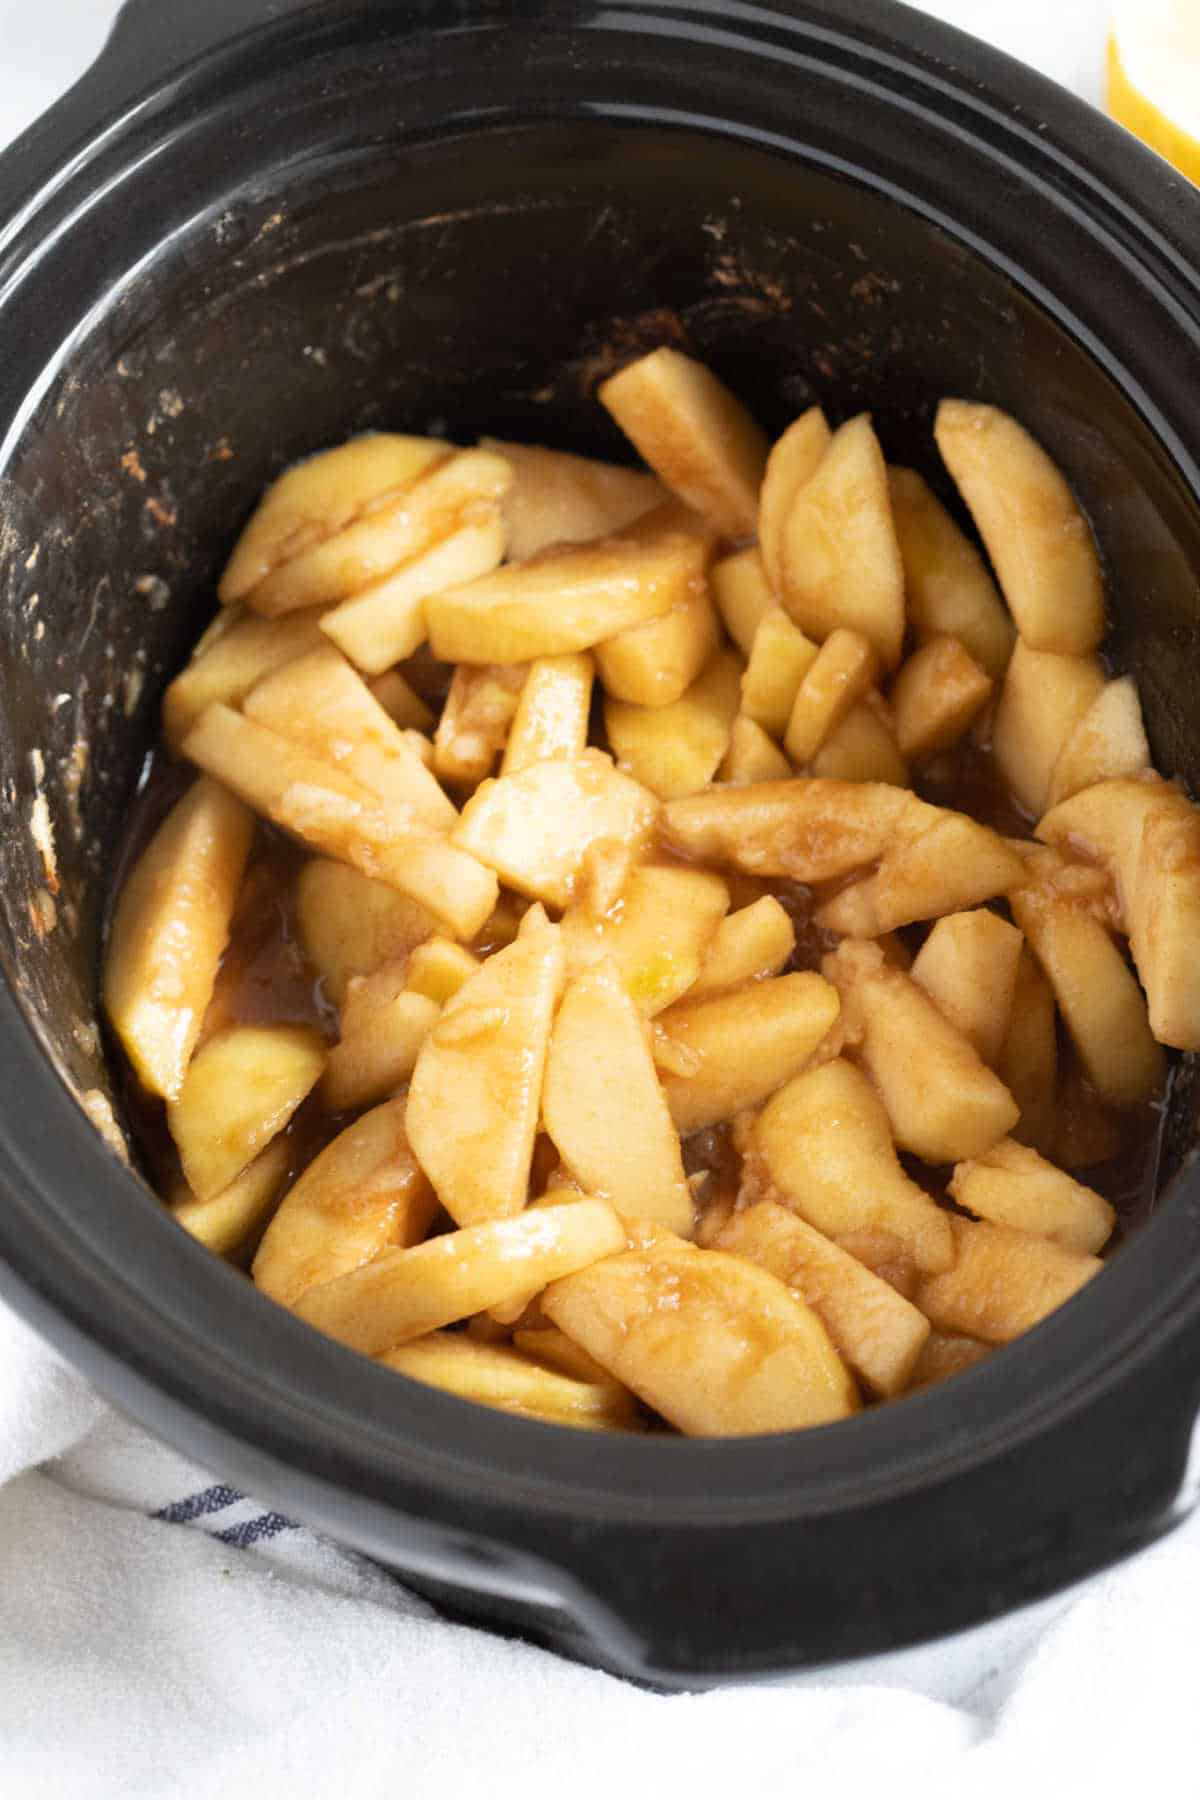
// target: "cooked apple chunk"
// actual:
[[1102, 1005], [476, 1088], [558, 498], [944, 1354], [935, 862], [943, 1102], [235, 661], [968, 967], [1012, 1185], [404, 707], [603, 1105], [535, 828], [438, 968], [399, 527], [362, 1194], [317, 498], [1109, 741], [1038, 539], [1003, 1282], [824, 1144], [657, 934], [742, 593], [752, 755], [748, 945], [840, 674], [475, 721], [936, 698], [808, 830], [654, 1317], [947, 585], [309, 797], [320, 701], [794, 460], [384, 622], [1028, 1060], [692, 432], [567, 599], [840, 560], [404, 1294], [780, 657], [170, 929], [499, 1375], [740, 1047], [876, 1331], [863, 747], [229, 1223], [677, 749], [350, 925], [653, 664], [383, 1026], [1043, 699], [239, 1092], [551, 720]]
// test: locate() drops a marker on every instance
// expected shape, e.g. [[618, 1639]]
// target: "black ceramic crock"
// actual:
[[257, 226]]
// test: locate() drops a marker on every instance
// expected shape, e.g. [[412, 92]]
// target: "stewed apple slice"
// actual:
[[500, 1375], [1038, 539], [659, 1318], [239, 1092], [1012, 1185], [947, 586], [362, 1194], [1003, 1282], [558, 498], [169, 932], [476, 1089], [657, 933]]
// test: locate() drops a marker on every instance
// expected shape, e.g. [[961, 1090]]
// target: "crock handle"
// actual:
[[150, 39]]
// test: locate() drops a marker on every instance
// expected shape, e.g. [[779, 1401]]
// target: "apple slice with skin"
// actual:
[[603, 1105], [473, 1102], [170, 929]]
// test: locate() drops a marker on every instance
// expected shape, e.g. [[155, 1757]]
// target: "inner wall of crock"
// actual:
[[479, 284]]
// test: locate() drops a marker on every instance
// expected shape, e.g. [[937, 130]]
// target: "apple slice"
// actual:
[[841, 673], [1028, 1060], [968, 967], [1109, 741], [239, 1092], [170, 929], [840, 563], [383, 1026], [230, 665], [780, 658], [949, 591], [1044, 697], [393, 531], [1003, 1282], [308, 796], [657, 1316], [1037, 537], [321, 496], [230, 1222], [863, 747], [694, 434], [677, 749], [1013, 1185], [653, 664], [499, 1375], [657, 934], [535, 828], [318, 700], [878, 1333], [384, 622], [604, 1108], [362, 1194], [748, 945], [438, 968], [742, 593], [475, 1092], [557, 498], [936, 698], [350, 925], [473, 729], [824, 1144], [738, 1048], [404, 1294], [794, 460], [551, 720]]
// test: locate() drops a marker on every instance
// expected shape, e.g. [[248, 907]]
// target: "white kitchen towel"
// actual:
[[164, 1637]]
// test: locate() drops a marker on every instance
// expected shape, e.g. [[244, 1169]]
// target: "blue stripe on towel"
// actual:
[[267, 1525], [195, 1506]]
